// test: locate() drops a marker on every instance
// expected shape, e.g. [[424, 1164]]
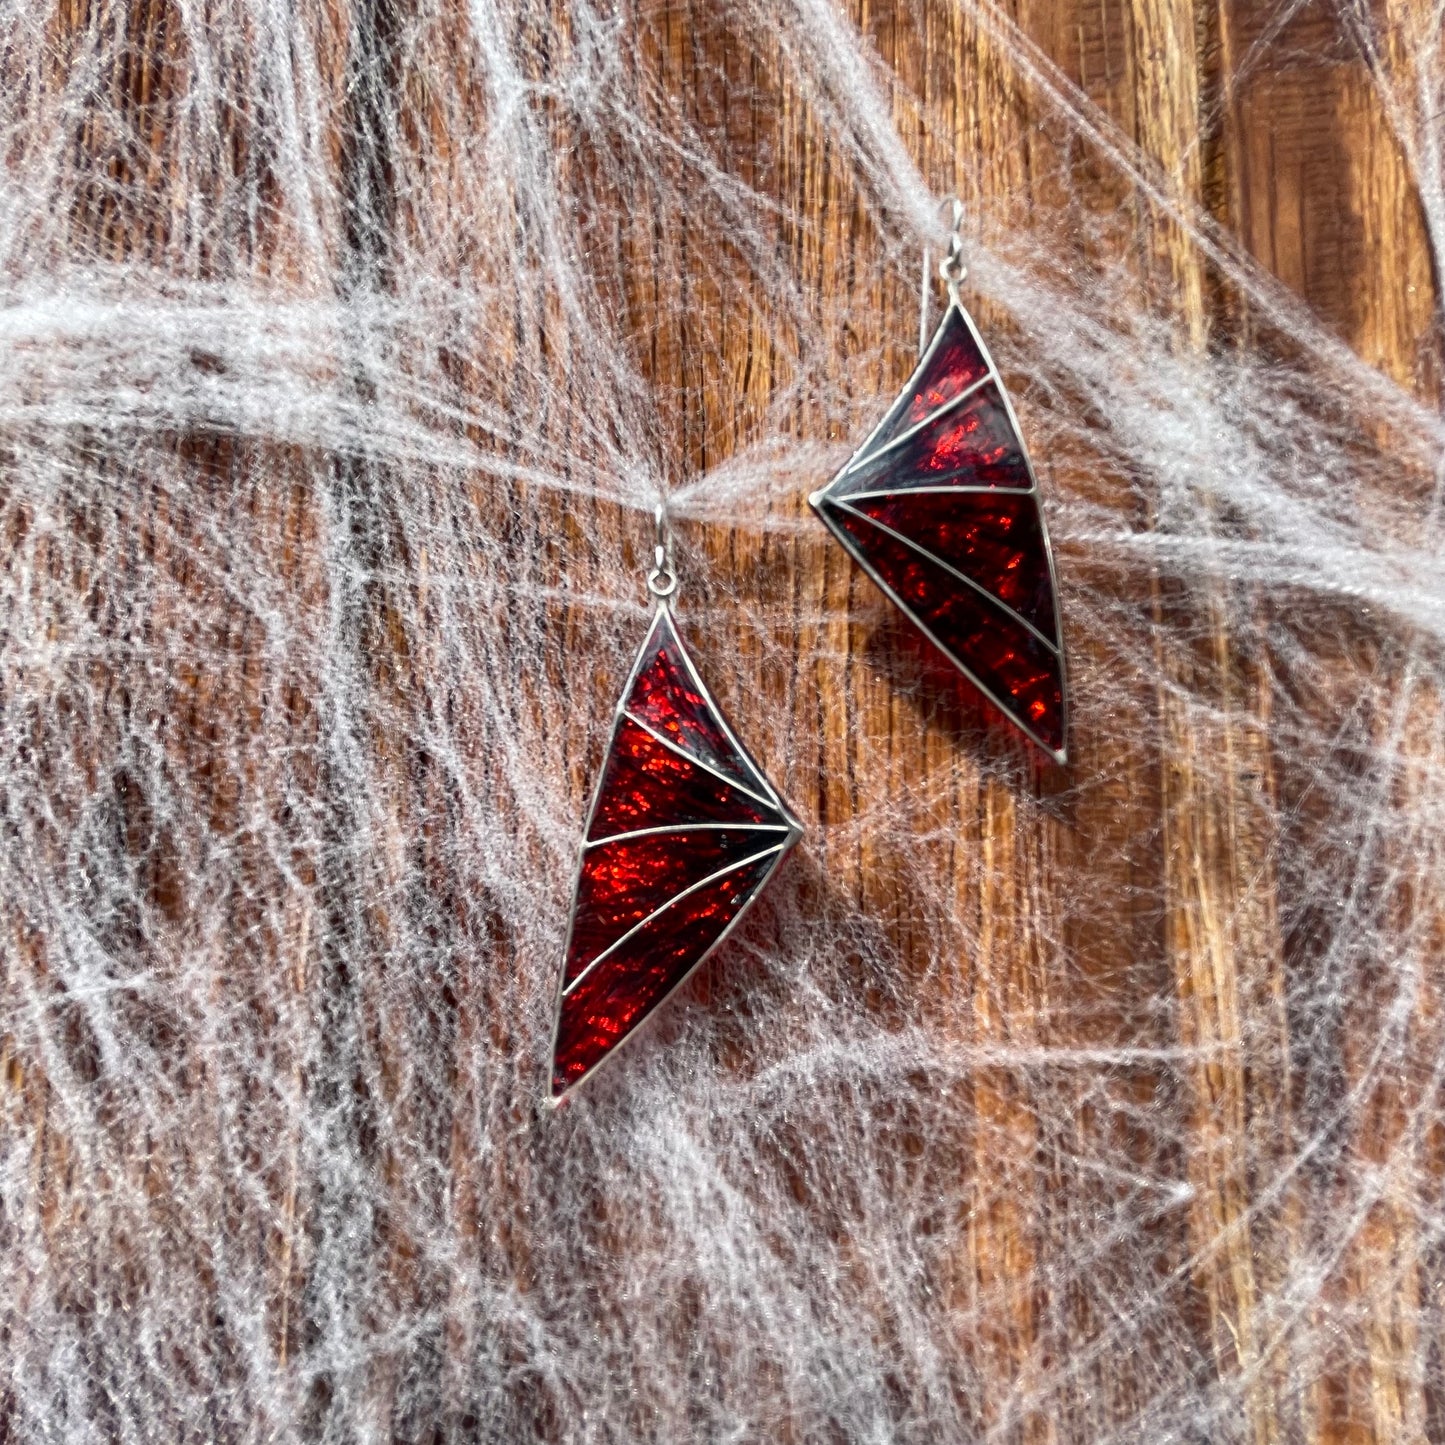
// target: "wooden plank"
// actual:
[[1172, 814]]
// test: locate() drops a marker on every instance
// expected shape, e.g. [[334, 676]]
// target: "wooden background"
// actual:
[[1265, 116]]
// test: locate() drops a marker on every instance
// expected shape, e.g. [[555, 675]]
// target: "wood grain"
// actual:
[[1297, 160]]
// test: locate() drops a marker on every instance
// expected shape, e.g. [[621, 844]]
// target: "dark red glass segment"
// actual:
[[953, 363], [647, 785], [1022, 673], [973, 444], [665, 696], [621, 991], [626, 879], [995, 538]]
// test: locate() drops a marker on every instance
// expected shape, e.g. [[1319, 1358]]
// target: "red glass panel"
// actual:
[[665, 697], [648, 785], [954, 362], [993, 537], [612, 1000], [1024, 675], [973, 445], [625, 880]]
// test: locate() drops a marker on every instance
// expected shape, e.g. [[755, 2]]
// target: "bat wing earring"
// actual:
[[683, 834], [940, 507]]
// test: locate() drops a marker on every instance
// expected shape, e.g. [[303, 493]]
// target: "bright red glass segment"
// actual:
[[625, 879], [953, 363], [669, 700], [647, 784], [624, 988], [683, 834], [1021, 672], [994, 538], [973, 444]]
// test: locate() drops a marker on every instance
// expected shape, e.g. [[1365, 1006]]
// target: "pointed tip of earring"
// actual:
[[815, 501]]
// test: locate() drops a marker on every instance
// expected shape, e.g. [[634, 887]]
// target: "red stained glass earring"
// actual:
[[683, 834], [940, 507]]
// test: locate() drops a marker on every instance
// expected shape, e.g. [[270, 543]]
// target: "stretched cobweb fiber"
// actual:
[[345, 352]]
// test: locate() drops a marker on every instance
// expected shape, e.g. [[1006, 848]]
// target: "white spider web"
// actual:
[[328, 435]]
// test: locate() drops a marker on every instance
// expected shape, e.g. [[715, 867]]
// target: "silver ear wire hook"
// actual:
[[952, 269], [662, 580]]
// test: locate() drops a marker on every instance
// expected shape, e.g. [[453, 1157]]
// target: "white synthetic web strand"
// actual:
[[299, 664]]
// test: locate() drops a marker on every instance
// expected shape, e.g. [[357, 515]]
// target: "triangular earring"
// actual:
[[940, 506], [683, 834]]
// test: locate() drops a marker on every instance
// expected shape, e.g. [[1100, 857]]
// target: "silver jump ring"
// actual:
[[953, 268], [662, 580]]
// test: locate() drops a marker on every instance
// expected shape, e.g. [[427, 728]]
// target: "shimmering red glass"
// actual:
[[676, 851], [993, 537], [1023, 674], [946, 471], [665, 697], [973, 444], [621, 991], [647, 785], [626, 879], [953, 363]]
